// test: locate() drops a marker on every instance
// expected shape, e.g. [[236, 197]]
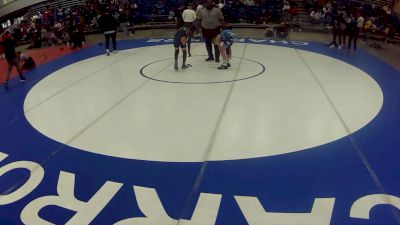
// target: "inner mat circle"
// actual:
[[103, 105], [201, 71]]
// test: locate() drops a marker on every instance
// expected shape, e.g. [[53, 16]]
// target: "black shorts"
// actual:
[[189, 25], [210, 33], [178, 43], [29, 64], [182, 32]]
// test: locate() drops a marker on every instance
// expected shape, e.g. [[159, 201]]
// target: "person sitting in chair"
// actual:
[[26, 61]]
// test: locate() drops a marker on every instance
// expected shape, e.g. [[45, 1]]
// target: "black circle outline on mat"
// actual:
[[211, 82]]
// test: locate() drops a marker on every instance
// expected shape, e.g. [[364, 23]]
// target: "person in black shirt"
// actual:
[[180, 41], [353, 33], [335, 32], [11, 57], [77, 37], [109, 25]]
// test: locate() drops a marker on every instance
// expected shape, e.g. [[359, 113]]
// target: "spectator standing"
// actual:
[[26, 61], [133, 9], [352, 31], [189, 16], [77, 37], [221, 4], [197, 22], [367, 29], [285, 10], [335, 31], [345, 27], [123, 21], [65, 38], [356, 27], [108, 25], [199, 7], [9, 45], [360, 25]]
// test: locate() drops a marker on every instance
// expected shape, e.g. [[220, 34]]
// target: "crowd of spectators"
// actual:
[[55, 26], [51, 27], [375, 19]]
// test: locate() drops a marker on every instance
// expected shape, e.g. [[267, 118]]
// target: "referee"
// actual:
[[189, 16], [211, 20]]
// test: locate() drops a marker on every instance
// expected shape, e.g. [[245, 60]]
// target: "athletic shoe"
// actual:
[[108, 52], [229, 65], [176, 67], [22, 79], [5, 85], [339, 47], [222, 67], [331, 46], [190, 55], [185, 67]]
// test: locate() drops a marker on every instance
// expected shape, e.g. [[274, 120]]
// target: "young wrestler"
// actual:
[[180, 41], [225, 41]]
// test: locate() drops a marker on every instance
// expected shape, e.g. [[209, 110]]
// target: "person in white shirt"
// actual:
[[314, 17], [249, 2], [196, 23], [189, 16], [285, 11], [359, 26], [360, 22], [221, 4], [199, 7]]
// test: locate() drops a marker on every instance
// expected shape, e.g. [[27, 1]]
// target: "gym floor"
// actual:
[[293, 133]]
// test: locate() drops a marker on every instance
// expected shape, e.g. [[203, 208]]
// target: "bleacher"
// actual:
[[154, 14], [14, 5], [59, 4], [379, 3]]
